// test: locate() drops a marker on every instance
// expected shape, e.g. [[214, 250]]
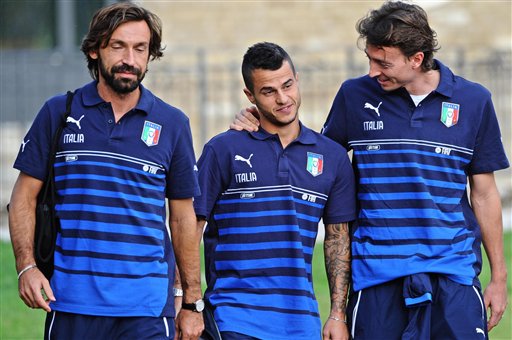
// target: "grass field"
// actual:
[[19, 322]]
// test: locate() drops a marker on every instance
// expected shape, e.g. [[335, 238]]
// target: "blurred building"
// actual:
[[200, 70]]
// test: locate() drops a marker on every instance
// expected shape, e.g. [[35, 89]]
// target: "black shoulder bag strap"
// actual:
[[45, 239]]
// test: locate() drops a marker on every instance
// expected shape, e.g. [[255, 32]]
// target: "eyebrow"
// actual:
[[267, 88], [380, 61], [121, 41], [271, 88]]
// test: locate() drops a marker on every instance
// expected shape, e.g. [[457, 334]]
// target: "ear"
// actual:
[[416, 59], [250, 96], [93, 54]]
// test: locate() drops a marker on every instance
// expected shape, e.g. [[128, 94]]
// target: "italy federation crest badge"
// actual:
[[151, 133], [315, 165], [450, 114]]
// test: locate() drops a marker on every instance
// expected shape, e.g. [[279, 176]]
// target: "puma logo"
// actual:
[[23, 143], [240, 158], [479, 330], [371, 107], [74, 121]]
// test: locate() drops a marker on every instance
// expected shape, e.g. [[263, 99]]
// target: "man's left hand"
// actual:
[[495, 299], [189, 325], [335, 330]]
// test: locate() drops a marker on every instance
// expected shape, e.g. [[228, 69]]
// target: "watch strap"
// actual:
[[194, 306]]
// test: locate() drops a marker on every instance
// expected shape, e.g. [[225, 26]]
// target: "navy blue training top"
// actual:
[[263, 204], [411, 165], [113, 256]]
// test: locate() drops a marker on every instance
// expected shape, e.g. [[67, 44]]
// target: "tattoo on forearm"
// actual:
[[337, 263]]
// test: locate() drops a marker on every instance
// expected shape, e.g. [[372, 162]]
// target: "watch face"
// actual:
[[199, 305]]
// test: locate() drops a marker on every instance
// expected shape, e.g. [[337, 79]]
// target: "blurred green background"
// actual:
[[20, 322]]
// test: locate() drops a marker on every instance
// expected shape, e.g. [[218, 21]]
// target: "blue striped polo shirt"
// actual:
[[113, 254], [411, 165], [263, 204]]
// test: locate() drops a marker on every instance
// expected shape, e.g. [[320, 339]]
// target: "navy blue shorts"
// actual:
[[60, 325], [236, 336], [454, 311]]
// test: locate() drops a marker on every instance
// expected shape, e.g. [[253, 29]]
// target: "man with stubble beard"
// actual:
[[121, 154]]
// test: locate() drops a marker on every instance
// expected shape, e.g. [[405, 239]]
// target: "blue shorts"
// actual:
[[60, 325], [449, 311], [236, 336]]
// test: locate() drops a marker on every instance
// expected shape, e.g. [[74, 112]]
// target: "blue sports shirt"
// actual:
[[113, 254], [411, 165], [263, 204]]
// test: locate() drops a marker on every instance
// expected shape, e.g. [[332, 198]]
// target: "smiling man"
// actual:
[[122, 153], [420, 135], [263, 194]]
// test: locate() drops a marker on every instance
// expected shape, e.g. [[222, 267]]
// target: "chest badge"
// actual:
[[450, 114], [315, 164], [151, 133]]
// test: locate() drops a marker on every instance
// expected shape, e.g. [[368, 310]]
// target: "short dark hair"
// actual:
[[266, 56], [107, 19], [402, 25]]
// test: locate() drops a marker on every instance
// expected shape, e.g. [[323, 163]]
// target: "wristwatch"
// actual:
[[197, 306]]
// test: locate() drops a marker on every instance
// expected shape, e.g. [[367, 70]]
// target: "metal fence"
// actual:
[[207, 85]]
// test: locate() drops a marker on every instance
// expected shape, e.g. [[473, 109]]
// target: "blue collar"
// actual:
[[447, 82], [306, 135], [91, 97]]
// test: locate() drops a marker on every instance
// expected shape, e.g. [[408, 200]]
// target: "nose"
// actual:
[[280, 97], [374, 70], [129, 57]]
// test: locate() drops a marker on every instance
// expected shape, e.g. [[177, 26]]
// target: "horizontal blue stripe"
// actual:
[[409, 165], [398, 240], [110, 247], [112, 194], [266, 213], [113, 237], [365, 250], [408, 196], [267, 300], [108, 179], [263, 213], [414, 301], [264, 246], [262, 264], [308, 218], [412, 151], [110, 165], [108, 210], [411, 213], [265, 229], [275, 282], [407, 232], [112, 228], [133, 258], [112, 266], [258, 246], [414, 179], [269, 199]]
